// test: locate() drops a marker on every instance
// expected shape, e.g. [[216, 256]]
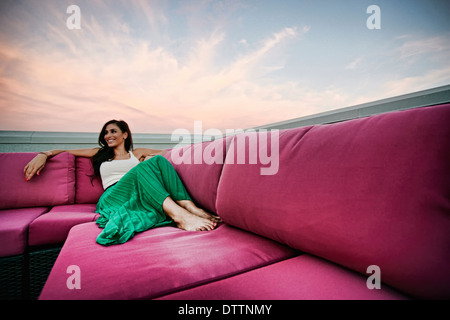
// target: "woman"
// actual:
[[142, 189]]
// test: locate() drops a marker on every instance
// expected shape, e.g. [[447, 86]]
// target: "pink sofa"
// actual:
[[36, 216], [367, 192]]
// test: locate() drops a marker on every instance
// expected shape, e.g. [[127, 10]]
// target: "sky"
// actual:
[[231, 64]]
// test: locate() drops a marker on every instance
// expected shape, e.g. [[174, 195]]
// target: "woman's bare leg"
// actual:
[[186, 220], [192, 208]]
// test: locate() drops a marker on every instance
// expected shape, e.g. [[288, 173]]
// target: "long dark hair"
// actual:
[[106, 153]]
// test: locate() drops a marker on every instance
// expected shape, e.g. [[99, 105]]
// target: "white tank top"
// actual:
[[112, 171]]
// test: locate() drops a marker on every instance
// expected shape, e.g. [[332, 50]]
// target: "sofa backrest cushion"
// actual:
[[370, 191], [89, 187], [54, 186], [199, 167]]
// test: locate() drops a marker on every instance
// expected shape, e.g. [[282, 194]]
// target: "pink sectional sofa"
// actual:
[[346, 196], [36, 216]]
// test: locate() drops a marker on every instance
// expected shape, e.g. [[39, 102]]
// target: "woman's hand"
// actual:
[[35, 166], [149, 157], [144, 154]]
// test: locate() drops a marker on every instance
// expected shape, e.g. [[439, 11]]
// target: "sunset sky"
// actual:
[[161, 65]]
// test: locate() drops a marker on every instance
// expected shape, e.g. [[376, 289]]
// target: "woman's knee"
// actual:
[[159, 159], [151, 160], [156, 158]]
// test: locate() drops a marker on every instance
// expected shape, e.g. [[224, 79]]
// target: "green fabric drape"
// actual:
[[134, 204]]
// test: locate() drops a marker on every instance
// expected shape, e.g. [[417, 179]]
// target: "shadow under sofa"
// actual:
[[346, 196]]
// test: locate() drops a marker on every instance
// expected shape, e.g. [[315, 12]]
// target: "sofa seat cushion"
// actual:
[[14, 229], [54, 186], [53, 227], [156, 262], [301, 278]]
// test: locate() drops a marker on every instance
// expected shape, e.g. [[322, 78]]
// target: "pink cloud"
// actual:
[[99, 75], [53, 78]]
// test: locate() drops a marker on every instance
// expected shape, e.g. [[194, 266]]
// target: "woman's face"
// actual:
[[114, 136]]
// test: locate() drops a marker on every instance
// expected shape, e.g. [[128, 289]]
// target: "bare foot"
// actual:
[[186, 220], [192, 222], [192, 208]]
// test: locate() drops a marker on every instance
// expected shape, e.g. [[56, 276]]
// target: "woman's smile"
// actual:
[[114, 136]]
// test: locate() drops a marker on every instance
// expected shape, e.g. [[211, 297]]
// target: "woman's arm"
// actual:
[[144, 154], [38, 163]]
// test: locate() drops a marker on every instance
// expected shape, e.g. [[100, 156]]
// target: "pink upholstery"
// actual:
[[341, 197], [199, 167], [156, 262], [53, 227], [372, 191], [14, 229], [54, 186], [301, 278], [89, 187]]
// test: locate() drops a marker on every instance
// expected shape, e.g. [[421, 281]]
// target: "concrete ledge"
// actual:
[[35, 141]]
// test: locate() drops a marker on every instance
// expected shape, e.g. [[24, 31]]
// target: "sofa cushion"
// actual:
[[301, 278], [199, 167], [371, 191], [54, 186], [89, 187], [53, 227], [14, 229], [156, 262]]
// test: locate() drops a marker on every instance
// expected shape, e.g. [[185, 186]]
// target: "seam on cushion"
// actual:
[[69, 200], [75, 198], [227, 141], [304, 134], [224, 276], [228, 147], [67, 179], [77, 166], [27, 233]]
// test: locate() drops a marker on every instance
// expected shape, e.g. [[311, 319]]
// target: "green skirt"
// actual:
[[135, 203]]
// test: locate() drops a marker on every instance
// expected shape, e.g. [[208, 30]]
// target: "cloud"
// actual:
[[353, 64], [431, 79], [417, 63], [161, 68], [417, 47], [101, 72]]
